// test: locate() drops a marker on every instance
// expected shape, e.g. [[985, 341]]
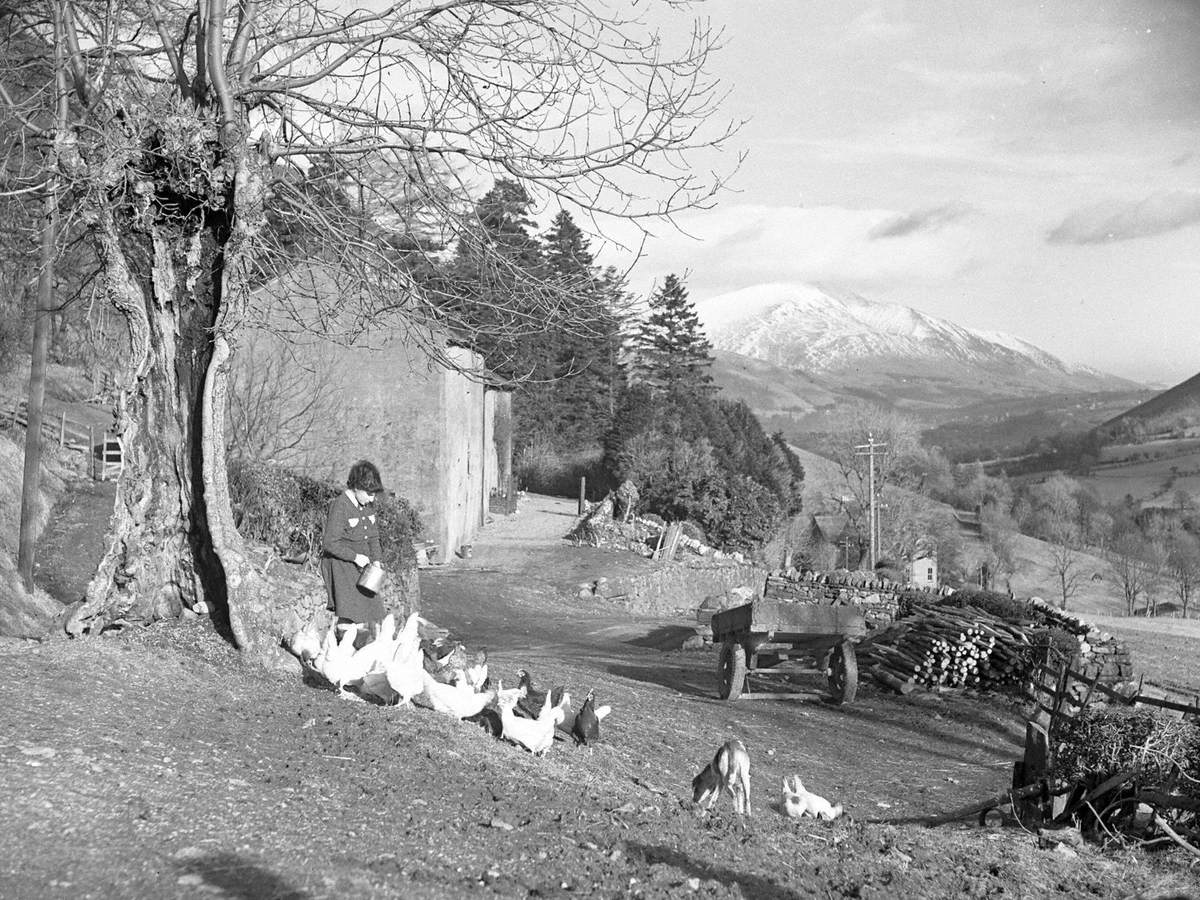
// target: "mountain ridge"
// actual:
[[839, 336]]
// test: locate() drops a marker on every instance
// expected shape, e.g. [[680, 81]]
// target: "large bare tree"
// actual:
[[193, 122]]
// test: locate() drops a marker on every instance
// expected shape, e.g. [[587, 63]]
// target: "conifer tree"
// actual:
[[671, 353], [586, 363], [510, 266]]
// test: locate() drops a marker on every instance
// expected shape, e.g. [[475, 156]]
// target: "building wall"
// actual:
[[923, 572], [462, 458], [429, 430]]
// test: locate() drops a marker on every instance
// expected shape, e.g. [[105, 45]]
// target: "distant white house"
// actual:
[[923, 569]]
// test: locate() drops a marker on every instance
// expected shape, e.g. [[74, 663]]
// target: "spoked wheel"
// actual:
[[731, 670], [842, 671]]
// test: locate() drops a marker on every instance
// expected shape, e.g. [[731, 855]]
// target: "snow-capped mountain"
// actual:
[[841, 337]]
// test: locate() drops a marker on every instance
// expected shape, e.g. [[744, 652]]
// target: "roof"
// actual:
[[831, 527]]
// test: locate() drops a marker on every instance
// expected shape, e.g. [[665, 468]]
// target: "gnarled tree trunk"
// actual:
[[172, 537]]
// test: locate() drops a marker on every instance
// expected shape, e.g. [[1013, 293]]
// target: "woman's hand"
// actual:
[[361, 560]]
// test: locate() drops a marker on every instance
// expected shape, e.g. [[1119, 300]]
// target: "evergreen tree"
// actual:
[[494, 285], [586, 362], [671, 353]]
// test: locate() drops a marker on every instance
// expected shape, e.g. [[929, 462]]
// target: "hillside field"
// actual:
[[1097, 592], [1154, 480]]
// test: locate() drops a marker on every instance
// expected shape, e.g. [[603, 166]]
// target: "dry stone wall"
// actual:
[[675, 588], [878, 598]]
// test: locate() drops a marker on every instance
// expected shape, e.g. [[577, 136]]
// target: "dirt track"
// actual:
[[153, 764]]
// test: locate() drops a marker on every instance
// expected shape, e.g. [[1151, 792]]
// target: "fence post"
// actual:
[[91, 453], [62, 430], [582, 491]]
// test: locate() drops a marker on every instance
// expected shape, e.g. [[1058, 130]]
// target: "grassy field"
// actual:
[[1147, 479], [1165, 651]]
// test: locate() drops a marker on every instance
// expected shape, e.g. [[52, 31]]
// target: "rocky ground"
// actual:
[[153, 763]]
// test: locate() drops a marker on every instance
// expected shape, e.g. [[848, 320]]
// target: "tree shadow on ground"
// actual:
[[751, 885], [238, 878]]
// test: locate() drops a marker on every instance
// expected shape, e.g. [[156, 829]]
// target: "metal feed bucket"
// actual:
[[371, 579]]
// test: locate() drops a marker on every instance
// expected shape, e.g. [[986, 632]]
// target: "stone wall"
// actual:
[[879, 598], [678, 588]]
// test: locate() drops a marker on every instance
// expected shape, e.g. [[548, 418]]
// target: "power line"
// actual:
[[870, 450]]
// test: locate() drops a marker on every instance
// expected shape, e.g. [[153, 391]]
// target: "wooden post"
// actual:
[[91, 453], [582, 492], [62, 430]]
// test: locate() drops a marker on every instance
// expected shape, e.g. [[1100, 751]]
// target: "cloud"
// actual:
[[876, 24], [1122, 221], [732, 246], [908, 223]]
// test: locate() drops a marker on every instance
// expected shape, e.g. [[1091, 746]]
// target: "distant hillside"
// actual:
[[885, 352], [780, 397], [1008, 427], [1181, 400], [1036, 575]]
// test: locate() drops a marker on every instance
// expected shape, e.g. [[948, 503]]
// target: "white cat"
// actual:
[[797, 802], [729, 772]]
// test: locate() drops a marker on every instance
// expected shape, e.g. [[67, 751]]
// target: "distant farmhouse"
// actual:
[[440, 432], [923, 568], [833, 544]]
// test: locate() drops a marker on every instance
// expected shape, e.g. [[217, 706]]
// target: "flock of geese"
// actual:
[[396, 667]]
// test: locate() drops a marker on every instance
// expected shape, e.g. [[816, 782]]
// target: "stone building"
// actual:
[[437, 428]]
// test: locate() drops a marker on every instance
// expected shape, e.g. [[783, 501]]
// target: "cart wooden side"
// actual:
[[764, 633]]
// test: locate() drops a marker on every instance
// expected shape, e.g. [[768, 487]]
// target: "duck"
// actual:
[[535, 735], [457, 700]]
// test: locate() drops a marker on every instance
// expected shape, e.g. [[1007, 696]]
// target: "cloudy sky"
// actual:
[[1015, 166]]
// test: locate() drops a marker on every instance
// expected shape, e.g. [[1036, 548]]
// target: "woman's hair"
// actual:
[[364, 477]]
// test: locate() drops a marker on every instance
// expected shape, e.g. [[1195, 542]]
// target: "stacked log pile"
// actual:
[[946, 646]]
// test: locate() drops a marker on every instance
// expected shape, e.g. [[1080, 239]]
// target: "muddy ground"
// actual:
[[153, 763]]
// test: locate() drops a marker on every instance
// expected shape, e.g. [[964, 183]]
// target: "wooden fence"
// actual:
[[1061, 692], [101, 447]]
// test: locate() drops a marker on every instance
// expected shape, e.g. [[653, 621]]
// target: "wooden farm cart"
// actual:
[[764, 633]]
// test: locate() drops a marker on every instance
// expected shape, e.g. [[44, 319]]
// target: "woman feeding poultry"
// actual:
[[349, 544]]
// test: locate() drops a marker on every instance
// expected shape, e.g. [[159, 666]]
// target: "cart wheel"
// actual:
[[843, 672], [731, 670]]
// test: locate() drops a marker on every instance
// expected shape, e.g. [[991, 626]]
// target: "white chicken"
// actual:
[[405, 671], [305, 643], [477, 671], [381, 647], [458, 700], [567, 720], [335, 661], [535, 735], [508, 695]]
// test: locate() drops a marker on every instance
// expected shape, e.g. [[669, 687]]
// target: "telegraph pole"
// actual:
[[870, 450]]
